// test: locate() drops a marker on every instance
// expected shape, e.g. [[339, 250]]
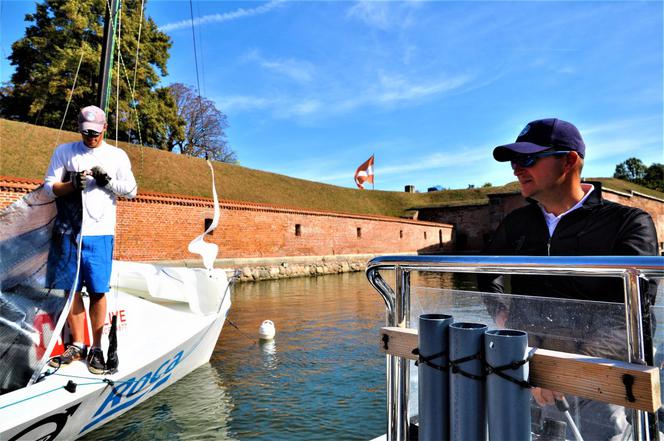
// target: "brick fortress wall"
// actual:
[[157, 226]]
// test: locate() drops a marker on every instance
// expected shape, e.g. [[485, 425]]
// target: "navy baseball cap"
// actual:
[[540, 135]]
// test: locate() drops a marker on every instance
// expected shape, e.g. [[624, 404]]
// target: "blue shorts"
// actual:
[[96, 262]]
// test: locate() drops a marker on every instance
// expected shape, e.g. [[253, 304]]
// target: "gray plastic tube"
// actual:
[[433, 384], [508, 404], [467, 404]]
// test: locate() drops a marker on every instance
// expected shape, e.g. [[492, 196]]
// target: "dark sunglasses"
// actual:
[[527, 161], [90, 133]]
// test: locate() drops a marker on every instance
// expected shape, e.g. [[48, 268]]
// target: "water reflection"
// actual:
[[196, 407], [269, 349], [322, 378]]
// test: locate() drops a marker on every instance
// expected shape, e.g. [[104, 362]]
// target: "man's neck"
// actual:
[[559, 202]]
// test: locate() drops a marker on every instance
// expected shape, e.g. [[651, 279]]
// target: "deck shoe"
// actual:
[[73, 353], [96, 363]]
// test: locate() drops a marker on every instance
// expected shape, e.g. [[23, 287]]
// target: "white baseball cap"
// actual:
[[91, 118]]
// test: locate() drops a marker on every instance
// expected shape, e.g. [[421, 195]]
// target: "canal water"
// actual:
[[323, 377]]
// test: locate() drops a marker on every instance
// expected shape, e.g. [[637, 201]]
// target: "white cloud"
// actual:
[[410, 165], [383, 15], [374, 14], [297, 70], [398, 88], [238, 103], [388, 91], [625, 146], [221, 18], [627, 125]]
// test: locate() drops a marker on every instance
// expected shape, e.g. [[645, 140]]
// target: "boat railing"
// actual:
[[631, 269]]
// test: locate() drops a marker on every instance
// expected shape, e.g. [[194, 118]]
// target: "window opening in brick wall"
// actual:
[[425, 234], [400, 234], [206, 225], [359, 232], [298, 230]]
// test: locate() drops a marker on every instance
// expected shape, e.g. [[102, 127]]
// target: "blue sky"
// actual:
[[312, 88]]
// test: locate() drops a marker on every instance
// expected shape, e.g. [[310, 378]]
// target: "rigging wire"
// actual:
[[118, 80], [202, 50], [71, 92], [193, 34], [131, 88], [198, 84], [138, 45]]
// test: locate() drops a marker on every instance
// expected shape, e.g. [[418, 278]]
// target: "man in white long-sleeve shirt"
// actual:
[[86, 177]]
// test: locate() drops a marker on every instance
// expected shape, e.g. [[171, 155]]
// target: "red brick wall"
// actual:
[[470, 224], [159, 227], [653, 206]]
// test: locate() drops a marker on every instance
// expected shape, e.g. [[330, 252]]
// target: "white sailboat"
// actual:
[[169, 321]]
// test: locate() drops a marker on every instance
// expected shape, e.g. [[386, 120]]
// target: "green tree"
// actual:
[[46, 61], [654, 177], [632, 170]]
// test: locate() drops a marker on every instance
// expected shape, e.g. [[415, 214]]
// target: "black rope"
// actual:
[[454, 364], [487, 369], [427, 361], [516, 364]]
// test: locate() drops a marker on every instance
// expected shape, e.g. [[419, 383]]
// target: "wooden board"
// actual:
[[595, 378]]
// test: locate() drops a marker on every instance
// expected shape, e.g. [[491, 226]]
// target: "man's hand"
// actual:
[[101, 177], [501, 318], [545, 397], [78, 180]]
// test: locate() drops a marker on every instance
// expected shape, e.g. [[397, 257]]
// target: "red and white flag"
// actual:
[[365, 173]]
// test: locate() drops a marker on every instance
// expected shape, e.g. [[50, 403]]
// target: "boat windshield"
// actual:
[[575, 326], [29, 311]]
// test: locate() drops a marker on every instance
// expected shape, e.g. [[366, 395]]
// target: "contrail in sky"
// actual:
[[220, 18]]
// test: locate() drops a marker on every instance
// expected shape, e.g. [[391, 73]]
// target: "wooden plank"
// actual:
[[595, 378]]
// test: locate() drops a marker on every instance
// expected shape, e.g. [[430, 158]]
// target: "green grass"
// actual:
[[25, 151]]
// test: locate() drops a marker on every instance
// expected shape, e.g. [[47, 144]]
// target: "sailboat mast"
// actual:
[[106, 62]]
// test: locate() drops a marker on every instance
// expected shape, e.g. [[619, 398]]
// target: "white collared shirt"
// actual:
[[552, 220], [99, 211]]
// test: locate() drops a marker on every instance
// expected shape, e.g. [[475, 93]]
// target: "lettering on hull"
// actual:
[[127, 393]]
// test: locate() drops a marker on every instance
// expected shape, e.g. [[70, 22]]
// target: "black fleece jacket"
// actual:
[[597, 228]]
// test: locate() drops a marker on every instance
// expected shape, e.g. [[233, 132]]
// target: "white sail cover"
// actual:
[[31, 313]]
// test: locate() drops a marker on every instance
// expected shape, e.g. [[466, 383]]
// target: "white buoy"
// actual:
[[266, 331]]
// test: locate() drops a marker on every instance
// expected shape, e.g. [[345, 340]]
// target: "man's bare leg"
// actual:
[[76, 319], [97, 317]]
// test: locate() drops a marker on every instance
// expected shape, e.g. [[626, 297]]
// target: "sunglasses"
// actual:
[[526, 161], [90, 133]]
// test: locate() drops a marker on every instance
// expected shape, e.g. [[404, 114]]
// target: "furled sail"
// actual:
[[32, 314]]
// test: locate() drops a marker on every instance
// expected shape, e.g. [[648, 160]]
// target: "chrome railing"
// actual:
[[397, 303]]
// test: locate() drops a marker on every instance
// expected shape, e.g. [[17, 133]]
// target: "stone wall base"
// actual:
[[272, 268]]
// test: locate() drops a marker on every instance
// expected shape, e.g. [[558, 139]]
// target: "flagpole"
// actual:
[[373, 181]]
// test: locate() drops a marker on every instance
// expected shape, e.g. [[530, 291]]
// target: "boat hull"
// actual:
[[157, 345]]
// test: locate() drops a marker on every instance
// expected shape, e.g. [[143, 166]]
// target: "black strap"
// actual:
[[486, 367], [454, 364], [499, 370], [427, 360]]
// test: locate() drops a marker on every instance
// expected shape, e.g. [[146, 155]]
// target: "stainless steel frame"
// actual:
[[630, 269]]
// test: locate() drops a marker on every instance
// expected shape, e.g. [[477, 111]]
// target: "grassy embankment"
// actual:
[[25, 150]]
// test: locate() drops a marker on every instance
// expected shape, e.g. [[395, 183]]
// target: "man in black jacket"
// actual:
[[565, 217]]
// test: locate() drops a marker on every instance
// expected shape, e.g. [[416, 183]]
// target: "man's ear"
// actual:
[[572, 160]]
